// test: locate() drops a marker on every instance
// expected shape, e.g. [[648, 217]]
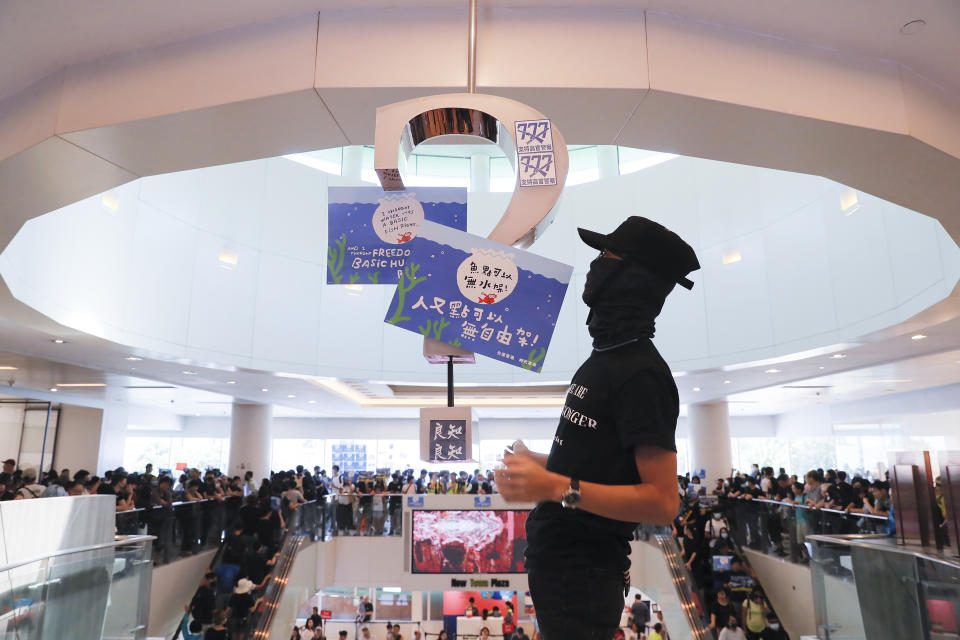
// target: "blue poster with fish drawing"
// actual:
[[480, 295], [371, 233]]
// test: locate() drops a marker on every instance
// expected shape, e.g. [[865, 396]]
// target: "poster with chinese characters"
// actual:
[[535, 157], [480, 295], [371, 233], [447, 434]]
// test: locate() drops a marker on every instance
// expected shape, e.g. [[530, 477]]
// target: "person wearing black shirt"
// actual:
[[204, 601], [613, 462], [317, 620]]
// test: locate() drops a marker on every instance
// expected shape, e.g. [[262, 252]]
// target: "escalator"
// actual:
[[683, 583]]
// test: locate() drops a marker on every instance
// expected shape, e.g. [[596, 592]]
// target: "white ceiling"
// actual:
[[43, 36]]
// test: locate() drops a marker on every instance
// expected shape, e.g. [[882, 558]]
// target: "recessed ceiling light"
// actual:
[[726, 382], [913, 27], [772, 371], [849, 203], [264, 389], [229, 259], [59, 341], [231, 382], [133, 358], [189, 373], [290, 395], [8, 368], [111, 201], [821, 367], [696, 388], [54, 389], [311, 402], [353, 289], [730, 258], [919, 336], [838, 356]]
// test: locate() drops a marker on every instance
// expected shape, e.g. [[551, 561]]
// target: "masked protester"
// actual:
[[613, 462]]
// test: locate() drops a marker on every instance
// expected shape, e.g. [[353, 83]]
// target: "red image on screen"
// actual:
[[469, 541]]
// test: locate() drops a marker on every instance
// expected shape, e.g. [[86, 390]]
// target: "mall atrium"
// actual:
[[172, 178]]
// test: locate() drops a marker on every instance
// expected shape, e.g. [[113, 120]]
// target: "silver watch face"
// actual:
[[571, 498]]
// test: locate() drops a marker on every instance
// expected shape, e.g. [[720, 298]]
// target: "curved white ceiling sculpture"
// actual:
[[790, 263]]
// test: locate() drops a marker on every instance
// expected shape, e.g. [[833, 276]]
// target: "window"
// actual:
[[631, 160], [166, 453], [289, 452], [584, 165], [326, 160], [438, 171]]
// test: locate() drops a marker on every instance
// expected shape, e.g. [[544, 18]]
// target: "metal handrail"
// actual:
[[682, 582], [843, 512], [118, 542]]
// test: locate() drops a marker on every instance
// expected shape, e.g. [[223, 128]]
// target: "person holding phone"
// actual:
[[613, 462]]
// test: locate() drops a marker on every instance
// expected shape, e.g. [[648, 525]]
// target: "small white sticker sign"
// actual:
[[537, 166], [534, 136]]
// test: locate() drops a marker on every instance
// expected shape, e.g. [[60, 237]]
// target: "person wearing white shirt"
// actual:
[[732, 631]]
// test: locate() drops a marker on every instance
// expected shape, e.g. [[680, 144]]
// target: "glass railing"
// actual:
[[183, 529], [867, 587], [99, 591], [362, 515], [781, 528]]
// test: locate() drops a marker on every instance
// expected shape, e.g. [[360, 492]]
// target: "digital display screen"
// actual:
[[722, 563], [478, 541]]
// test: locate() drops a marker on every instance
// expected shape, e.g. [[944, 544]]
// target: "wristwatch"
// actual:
[[571, 496]]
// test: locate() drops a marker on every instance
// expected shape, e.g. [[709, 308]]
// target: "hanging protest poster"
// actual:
[[480, 295], [372, 233]]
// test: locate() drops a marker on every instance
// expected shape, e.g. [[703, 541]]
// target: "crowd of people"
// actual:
[[737, 606]]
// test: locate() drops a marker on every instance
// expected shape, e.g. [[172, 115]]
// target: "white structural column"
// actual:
[[250, 440], [479, 173], [608, 161], [709, 426]]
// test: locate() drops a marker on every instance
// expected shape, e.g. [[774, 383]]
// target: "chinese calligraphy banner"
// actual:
[[480, 295], [446, 434], [372, 233]]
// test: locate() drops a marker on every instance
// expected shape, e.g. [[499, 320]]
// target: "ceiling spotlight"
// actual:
[[838, 356], [264, 389], [311, 402], [7, 368], [849, 202], [772, 371], [228, 259], [189, 373], [821, 367], [919, 336], [59, 341], [133, 358], [913, 27], [53, 389], [732, 257], [290, 395], [231, 382], [726, 382], [696, 388]]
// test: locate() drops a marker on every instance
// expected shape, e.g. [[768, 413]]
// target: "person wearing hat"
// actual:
[[613, 462], [30, 488], [9, 466], [240, 604]]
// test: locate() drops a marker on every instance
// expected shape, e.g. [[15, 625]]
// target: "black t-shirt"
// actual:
[[216, 634], [203, 604], [723, 613], [840, 494], [618, 400], [240, 604]]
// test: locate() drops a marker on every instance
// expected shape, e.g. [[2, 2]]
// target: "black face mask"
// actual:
[[624, 300]]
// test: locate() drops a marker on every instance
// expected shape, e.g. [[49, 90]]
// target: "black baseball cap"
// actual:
[[649, 244]]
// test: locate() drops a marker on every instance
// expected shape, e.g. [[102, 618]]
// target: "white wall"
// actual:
[[78, 438], [148, 274], [11, 427], [172, 586], [790, 591]]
